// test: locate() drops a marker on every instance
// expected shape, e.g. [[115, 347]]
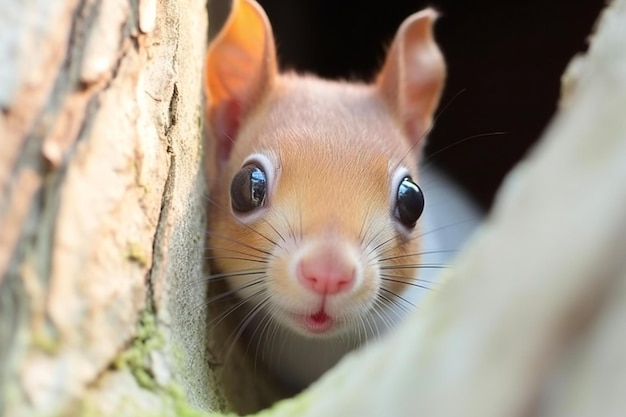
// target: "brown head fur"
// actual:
[[333, 149]]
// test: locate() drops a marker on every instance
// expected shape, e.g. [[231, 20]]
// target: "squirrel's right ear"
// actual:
[[240, 68]]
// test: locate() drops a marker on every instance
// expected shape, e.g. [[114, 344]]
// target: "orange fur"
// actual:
[[332, 179], [333, 148]]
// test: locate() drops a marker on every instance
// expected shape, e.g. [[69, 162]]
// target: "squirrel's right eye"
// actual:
[[248, 189]]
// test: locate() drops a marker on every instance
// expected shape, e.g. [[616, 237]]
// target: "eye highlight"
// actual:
[[409, 202], [248, 189]]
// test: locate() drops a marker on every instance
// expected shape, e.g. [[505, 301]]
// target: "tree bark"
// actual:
[[101, 217]]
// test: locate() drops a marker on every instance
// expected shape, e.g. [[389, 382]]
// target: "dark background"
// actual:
[[506, 58]]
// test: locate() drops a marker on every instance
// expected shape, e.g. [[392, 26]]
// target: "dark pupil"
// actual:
[[409, 202], [247, 190]]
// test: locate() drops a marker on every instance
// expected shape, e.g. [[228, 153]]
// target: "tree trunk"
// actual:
[[101, 217]]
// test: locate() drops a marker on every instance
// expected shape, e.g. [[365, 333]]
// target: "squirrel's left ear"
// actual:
[[412, 78]]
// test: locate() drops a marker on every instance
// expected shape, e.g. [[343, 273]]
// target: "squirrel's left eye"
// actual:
[[248, 189], [409, 203]]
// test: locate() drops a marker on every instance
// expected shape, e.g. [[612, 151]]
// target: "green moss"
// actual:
[[136, 360], [135, 253], [136, 357], [45, 343], [182, 408]]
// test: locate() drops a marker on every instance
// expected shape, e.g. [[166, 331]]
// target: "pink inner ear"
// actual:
[[412, 78], [225, 121], [240, 68]]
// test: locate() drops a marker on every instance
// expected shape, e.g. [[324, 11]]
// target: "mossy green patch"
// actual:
[[136, 357], [182, 408], [136, 360], [136, 253], [45, 343]]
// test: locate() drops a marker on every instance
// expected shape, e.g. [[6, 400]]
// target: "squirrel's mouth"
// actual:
[[317, 323]]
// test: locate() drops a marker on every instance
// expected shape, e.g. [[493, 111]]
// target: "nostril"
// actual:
[[343, 284]]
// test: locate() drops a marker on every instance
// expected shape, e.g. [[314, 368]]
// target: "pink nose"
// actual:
[[326, 272]]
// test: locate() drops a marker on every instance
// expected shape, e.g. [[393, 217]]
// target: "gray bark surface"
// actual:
[[102, 209]]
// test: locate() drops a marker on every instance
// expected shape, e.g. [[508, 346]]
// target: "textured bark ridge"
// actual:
[[102, 230], [101, 216]]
